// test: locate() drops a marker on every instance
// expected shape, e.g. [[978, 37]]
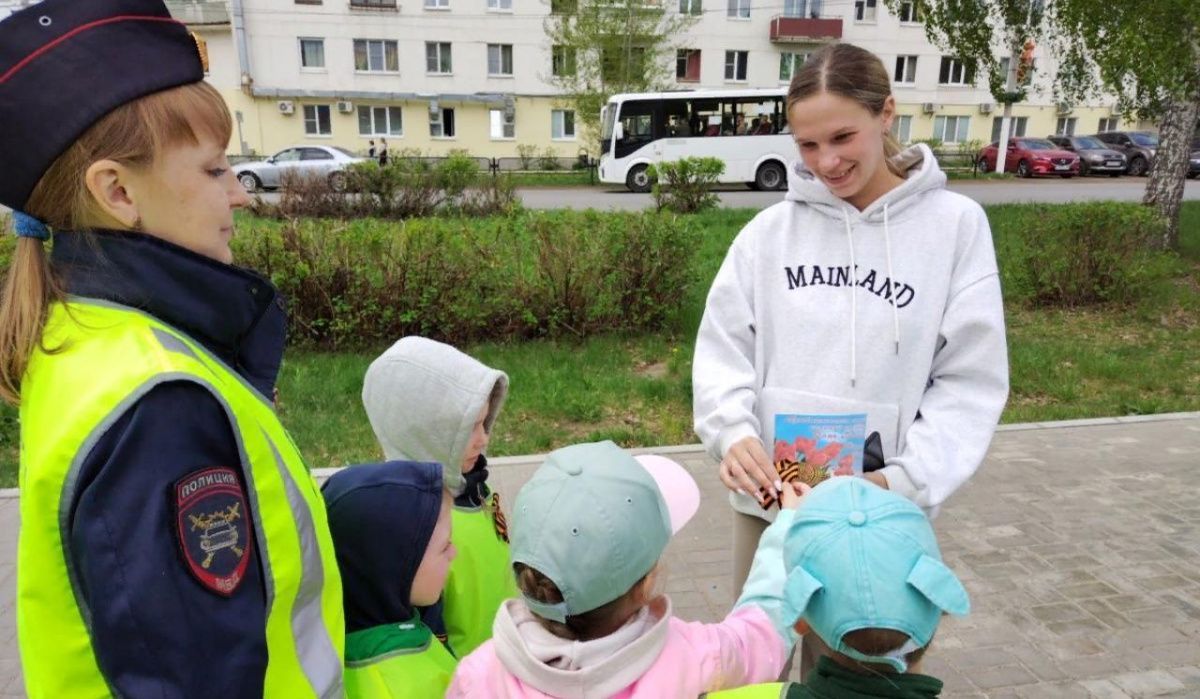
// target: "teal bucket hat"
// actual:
[[595, 520], [861, 557]]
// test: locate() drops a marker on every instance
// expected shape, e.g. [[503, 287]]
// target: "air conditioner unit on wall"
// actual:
[[345, 106], [929, 108], [286, 107], [1063, 108], [986, 108]]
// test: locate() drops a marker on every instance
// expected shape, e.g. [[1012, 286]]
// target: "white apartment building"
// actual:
[[437, 75]]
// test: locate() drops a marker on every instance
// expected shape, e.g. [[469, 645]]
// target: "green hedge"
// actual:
[[367, 282]]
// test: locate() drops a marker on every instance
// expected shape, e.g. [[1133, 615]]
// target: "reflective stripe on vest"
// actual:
[[479, 581], [107, 358], [773, 690]]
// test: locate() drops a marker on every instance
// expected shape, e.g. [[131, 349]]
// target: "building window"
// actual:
[[563, 7], [500, 59], [687, 65], [789, 64], [312, 53], [906, 70], [690, 7], [437, 4], [794, 8], [390, 4], [562, 60], [500, 5], [502, 126], [614, 66], [1065, 126], [735, 65], [910, 11], [380, 121], [376, 56], [441, 123], [902, 128], [1016, 127], [739, 9], [1109, 124], [951, 129], [864, 10], [955, 72], [562, 124], [316, 120], [437, 58]]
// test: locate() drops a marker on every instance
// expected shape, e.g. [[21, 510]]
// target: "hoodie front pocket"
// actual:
[[824, 431]]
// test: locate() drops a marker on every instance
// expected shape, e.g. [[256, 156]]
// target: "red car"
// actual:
[[1031, 156]]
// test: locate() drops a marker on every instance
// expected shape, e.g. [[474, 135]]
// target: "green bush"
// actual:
[[549, 160], [683, 185], [1067, 255], [527, 152], [409, 186], [364, 283]]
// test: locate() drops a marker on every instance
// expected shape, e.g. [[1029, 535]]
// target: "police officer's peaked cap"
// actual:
[[64, 64]]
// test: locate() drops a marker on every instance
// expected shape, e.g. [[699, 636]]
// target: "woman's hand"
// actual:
[[746, 469], [877, 478], [793, 494]]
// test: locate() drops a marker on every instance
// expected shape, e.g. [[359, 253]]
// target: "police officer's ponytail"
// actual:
[[29, 289]]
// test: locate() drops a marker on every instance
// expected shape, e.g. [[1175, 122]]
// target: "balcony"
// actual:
[[786, 30]]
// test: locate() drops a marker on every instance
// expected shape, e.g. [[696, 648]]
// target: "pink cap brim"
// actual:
[[677, 486]]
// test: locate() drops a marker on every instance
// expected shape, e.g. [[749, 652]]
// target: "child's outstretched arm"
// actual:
[[764, 585]]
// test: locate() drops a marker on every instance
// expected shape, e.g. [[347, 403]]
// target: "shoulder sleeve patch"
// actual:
[[213, 528]]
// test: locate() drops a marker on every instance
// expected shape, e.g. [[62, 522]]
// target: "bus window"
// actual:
[[608, 116], [637, 126]]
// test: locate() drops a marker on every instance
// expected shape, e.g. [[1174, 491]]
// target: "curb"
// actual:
[[526, 459]]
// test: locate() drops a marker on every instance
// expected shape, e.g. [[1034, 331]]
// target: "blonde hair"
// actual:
[[597, 623], [131, 135], [852, 72]]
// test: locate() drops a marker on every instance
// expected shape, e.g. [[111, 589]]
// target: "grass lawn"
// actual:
[[637, 390]]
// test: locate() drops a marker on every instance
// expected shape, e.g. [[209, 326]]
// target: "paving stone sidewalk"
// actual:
[[1079, 543]]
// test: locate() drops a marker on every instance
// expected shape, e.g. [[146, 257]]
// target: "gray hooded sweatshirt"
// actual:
[[893, 312], [422, 398]]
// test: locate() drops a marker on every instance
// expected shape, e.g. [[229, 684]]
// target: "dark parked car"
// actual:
[[1194, 165], [1095, 158], [1138, 146], [1031, 156]]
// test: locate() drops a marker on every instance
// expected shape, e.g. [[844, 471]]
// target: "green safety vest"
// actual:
[[772, 690], [479, 581], [395, 661], [110, 357]]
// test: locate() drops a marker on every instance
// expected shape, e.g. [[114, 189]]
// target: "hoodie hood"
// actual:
[[381, 518], [923, 175], [422, 398], [580, 669]]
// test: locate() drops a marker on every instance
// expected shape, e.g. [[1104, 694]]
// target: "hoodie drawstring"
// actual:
[[887, 241], [853, 301]]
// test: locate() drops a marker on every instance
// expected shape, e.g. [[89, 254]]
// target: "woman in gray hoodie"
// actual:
[[866, 302]]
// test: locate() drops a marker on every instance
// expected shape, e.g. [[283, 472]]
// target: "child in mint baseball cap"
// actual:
[[867, 585], [588, 530]]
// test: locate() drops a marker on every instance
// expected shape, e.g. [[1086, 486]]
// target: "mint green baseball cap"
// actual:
[[595, 520], [861, 557]]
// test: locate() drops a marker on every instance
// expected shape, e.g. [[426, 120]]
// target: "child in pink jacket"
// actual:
[[587, 532]]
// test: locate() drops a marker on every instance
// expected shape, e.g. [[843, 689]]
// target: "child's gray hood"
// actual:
[[923, 175], [422, 398]]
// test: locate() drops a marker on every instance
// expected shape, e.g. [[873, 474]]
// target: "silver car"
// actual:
[[329, 161]]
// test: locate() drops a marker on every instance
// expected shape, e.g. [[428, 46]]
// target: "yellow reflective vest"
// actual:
[[104, 358], [397, 661], [480, 578]]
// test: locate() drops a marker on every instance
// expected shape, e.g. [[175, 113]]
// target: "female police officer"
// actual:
[[172, 542]]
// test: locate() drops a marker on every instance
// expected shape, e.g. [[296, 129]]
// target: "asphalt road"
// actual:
[[984, 191]]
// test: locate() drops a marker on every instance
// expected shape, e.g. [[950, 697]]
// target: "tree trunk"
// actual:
[[1164, 189]]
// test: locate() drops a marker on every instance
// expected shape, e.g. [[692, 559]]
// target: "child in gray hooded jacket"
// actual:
[[427, 401]]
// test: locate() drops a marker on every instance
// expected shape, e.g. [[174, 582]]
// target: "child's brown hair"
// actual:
[[597, 623]]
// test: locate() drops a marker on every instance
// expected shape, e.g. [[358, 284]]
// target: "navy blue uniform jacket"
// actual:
[[158, 632]]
